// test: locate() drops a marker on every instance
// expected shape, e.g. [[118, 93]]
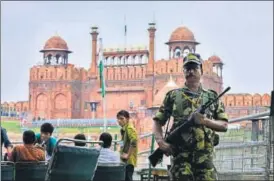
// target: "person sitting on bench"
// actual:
[[106, 154], [28, 151], [80, 137]]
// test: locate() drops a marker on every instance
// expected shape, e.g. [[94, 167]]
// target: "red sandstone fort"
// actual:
[[134, 80]]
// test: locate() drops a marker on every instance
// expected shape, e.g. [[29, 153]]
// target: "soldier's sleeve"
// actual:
[[220, 113], [165, 109]]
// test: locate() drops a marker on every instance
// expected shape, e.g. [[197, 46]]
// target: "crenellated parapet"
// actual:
[[54, 72], [245, 100]]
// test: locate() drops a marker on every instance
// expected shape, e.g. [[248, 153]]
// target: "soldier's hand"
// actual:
[[166, 147], [199, 118]]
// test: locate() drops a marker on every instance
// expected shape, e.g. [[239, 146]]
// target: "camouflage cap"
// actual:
[[192, 58]]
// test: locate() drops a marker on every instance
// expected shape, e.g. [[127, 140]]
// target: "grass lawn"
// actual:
[[11, 126], [14, 127]]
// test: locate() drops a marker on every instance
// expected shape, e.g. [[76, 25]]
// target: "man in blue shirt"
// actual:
[[45, 139], [106, 154]]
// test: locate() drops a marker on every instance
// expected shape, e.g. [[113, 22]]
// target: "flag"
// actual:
[[101, 69]]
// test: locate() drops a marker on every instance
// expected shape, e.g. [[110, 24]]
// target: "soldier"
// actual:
[[194, 158]]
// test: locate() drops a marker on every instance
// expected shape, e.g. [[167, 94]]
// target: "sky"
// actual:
[[240, 33]]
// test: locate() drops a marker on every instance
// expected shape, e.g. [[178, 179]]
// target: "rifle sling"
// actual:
[[195, 105], [167, 127]]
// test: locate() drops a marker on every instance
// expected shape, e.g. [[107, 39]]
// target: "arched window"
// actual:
[[186, 51], [137, 59], [110, 60], [105, 61], [123, 60], [144, 59], [129, 60], [61, 60], [119, 60], [49, 57], [177, 53], [116, 60], [58, 59]]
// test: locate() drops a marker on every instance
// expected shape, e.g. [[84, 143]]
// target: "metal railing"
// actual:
[[73, 122], [247, 152], [241, 154]]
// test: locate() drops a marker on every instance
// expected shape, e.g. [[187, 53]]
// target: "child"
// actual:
[[80, 137], [45, 139], [106, 154], [129, 150]]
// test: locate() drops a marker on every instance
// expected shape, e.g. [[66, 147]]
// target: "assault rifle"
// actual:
[[157, 156]]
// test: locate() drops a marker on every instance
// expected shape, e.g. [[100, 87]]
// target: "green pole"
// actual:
[[151, 150], [115, 144]]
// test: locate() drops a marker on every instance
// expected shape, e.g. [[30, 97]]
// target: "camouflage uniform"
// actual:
[[195, 150], [194, 162]]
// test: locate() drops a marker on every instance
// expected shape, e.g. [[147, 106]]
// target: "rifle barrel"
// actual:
[[210, 102]]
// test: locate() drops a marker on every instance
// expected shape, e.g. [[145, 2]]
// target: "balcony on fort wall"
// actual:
[[126, 56]]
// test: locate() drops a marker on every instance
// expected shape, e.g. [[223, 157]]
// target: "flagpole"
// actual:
[[102, 78], [125, 40], [125, 21], [104, 109]]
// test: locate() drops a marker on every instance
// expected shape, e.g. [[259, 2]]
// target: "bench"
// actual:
[[110, 172], [7, 171], [72, 163]]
